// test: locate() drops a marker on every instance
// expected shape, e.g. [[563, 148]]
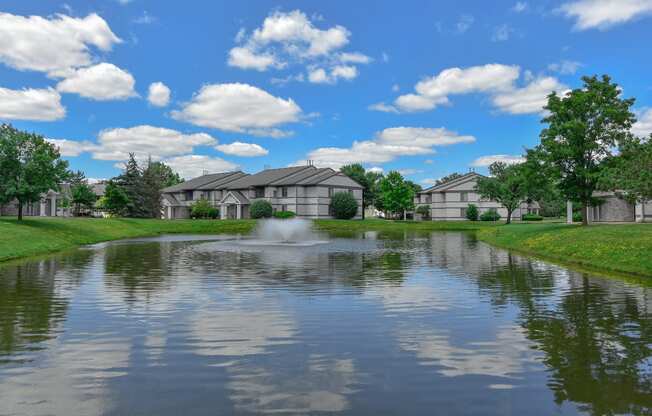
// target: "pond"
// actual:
[[364, 324]]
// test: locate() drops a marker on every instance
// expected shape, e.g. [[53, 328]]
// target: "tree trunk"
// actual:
[[363, 210], [643, 210], [20, 210], [404, 215], [585, 214], [509, 216]]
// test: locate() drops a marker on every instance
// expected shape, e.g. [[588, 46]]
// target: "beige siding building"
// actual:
[[304, 190], [449, 201]]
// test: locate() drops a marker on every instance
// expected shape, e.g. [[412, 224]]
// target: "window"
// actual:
[[464, 196], [330, 192], [443, 197], [188, 195], [260, 192], [463, 212], [426, 198], [284, 192]]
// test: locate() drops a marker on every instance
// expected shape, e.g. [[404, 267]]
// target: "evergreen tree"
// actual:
[[132, 184]]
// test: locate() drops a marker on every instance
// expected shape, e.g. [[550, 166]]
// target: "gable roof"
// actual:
[[447, 185], [200, 181], [267, 177], [237, 195]]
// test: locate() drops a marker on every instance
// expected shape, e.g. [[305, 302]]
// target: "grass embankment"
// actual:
[[34, 236], [622, 248]]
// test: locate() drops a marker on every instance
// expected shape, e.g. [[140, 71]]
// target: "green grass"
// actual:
[[625, 248], [36, 236], [621, 248]]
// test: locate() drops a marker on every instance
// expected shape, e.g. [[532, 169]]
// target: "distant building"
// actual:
[[304, 190], [450, 200], [615, 208], [50, 204]]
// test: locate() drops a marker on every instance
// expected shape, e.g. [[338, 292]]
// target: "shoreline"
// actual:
[[621, 250]]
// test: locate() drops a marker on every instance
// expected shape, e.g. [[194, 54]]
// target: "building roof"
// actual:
[[237, 195], [267, 177], [99, 189], [447, 185], [223, 182], [171, 199], [198, 182]]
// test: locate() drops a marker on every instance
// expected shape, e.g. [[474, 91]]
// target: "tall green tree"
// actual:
[[584, 127], [507, 185], [397, 194], [29, 166], [368, 180], [81, 193]]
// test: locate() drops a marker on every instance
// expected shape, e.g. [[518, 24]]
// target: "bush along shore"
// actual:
[[623, 248]]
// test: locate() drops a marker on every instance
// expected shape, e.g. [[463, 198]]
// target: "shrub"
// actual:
[[260, 209], [472, 212], [424, 211], [203, 209], [343, 205], [490, 215], [284, 214], [577, 217], [532, 217]]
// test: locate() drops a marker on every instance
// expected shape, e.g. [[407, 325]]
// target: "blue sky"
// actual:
[[427, 88]]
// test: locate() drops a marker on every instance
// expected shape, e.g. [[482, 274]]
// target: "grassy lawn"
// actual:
[[46, 235], [624, 248]]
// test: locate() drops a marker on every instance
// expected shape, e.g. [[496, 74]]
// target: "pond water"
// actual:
[[366, 324]]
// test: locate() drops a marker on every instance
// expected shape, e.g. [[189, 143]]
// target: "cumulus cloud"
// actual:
[[643, 126], [387, 145], [602, 14], [242, 149], [529, 99], [159, 94], [484, 161], [291, 38], [54, 45], [100, 82], [238, 108], [147, 141], [496, 80], [191, 166], [31, 104], [73, 148]]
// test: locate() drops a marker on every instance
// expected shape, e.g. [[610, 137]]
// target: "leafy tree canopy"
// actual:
[[397, 194], [29, 167]]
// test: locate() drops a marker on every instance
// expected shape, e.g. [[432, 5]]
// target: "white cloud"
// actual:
[[520, 7], [435, 90], [529, 99], [320, 76], [565, 67], [291, 38], [145, 141], [238, 108], [464, 23], [429, 161], [602, 14], [100, 82], [387, 145], [429, 181], [159, 94], [488, 160], [242, 149], [191, 166], [244, 58], [382, 107], [54, 45], [376, 169], [354, 58], [31, 104], [73, 148], [501, 33], [643, 127], [497, 80], [145, 19]]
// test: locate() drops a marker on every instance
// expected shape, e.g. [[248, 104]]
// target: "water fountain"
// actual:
[[287, 232]]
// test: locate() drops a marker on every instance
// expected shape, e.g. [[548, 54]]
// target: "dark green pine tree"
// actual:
[[132, 184]]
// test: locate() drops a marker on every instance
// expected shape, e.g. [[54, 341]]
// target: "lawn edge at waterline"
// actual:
[[615, 249]]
